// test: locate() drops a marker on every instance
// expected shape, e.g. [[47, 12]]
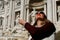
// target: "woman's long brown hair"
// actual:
[[41, 19]]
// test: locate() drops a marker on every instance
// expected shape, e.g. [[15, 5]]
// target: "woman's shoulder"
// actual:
[[48, 22]]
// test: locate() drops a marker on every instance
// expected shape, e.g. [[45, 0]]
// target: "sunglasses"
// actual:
[[38, 15]]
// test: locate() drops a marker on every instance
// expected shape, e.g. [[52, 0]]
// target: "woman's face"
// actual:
[[39, 16]]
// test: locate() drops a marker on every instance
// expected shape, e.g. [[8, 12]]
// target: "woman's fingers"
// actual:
[[21, 21]]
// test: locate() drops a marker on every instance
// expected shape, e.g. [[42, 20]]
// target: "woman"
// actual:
[[41, 29]]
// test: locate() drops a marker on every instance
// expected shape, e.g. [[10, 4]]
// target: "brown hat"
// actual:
[[40, 13]]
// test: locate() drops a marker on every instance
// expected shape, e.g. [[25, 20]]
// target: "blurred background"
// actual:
[[12, 10]]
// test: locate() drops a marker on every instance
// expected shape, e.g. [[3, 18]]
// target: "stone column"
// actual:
[[27, 3], [49, 10], [22, 9], [10, 13], [5, 16], [13, 13], [50, 15], [54, 12], [27, 14]]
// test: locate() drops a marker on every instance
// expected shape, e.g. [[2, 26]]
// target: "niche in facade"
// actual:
[[17, 15], [1, 21], [58, 10]]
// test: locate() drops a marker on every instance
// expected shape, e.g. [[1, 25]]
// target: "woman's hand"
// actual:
[[21, 21]]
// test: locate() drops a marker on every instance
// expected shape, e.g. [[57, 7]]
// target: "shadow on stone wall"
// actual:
[[57, 36]]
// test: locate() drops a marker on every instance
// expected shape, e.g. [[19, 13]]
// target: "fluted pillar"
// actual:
[[5, 16], [54, 12], [50, 15], [27, 14], [49, 10], [13, 13], [10, 13], [22, 9]]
